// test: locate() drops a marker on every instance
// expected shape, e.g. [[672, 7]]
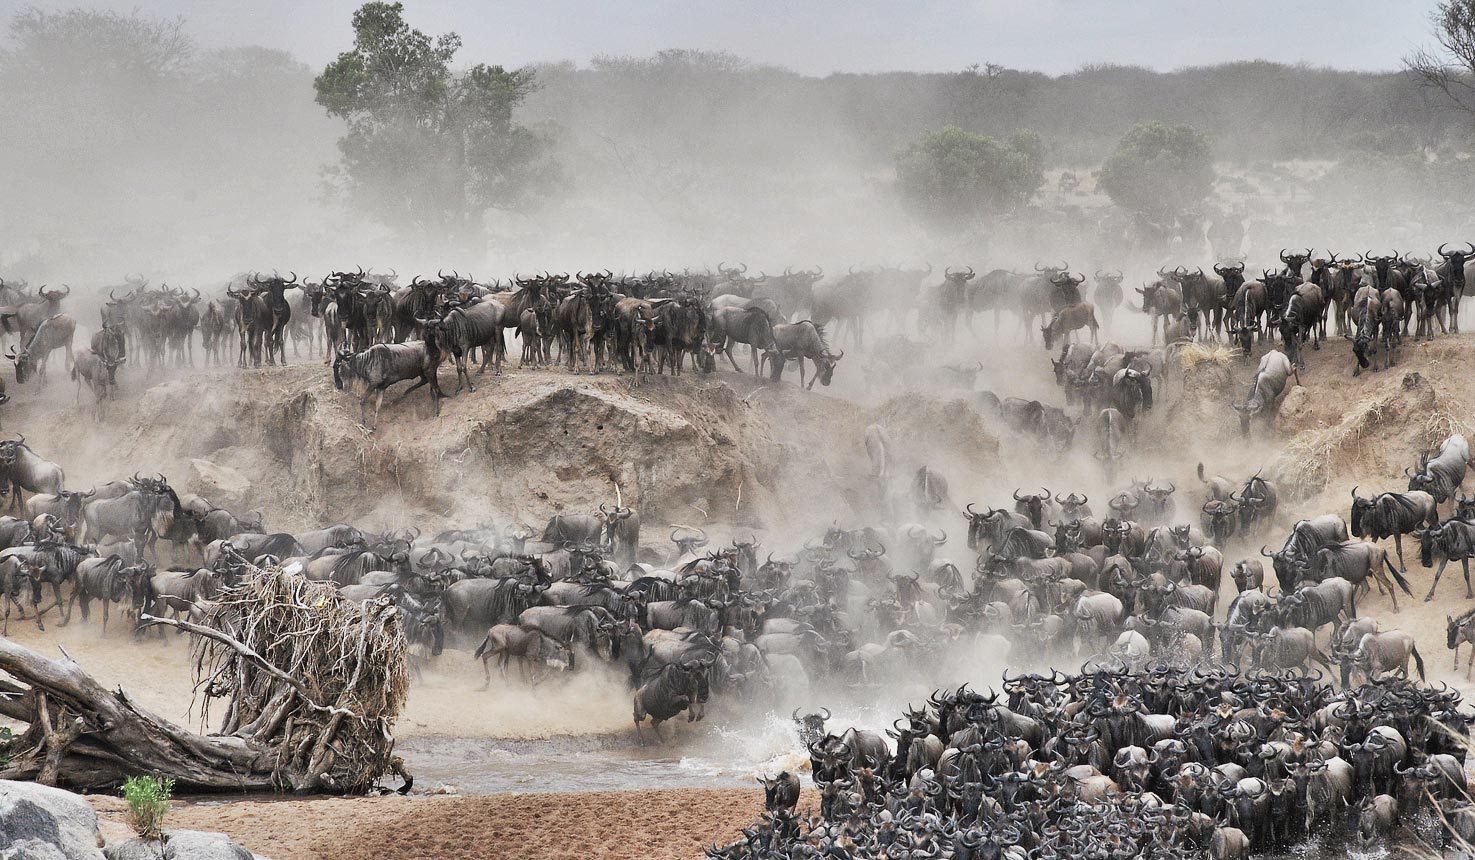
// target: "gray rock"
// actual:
[[38, 822], [181, 845], [135, 849]]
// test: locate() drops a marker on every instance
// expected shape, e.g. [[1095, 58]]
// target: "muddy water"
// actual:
[[716, 753], [698, 756]]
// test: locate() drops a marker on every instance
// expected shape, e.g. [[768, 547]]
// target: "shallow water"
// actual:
[[723, 751], [698, 756]]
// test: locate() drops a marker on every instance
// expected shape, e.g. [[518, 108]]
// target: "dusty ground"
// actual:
[[625, 825]]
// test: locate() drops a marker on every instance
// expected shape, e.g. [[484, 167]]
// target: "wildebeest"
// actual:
[[1442, 475], [384, 364], [1392, 515], [1265, 391], [530, 645], [54, 333], [22, 469], [673, 688], [1452, 540]]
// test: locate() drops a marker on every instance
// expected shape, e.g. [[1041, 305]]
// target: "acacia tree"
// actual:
[[954, 179], [428, 149], [1451, 68], [1158, 170]]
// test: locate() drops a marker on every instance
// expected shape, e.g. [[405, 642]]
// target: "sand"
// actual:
[[623, 825]]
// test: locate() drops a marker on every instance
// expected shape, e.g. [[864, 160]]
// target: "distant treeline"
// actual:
[[709, 105]]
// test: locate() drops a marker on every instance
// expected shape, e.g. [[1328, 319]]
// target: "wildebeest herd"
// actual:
[[377, 333], [1119, 762], [1194, 727]]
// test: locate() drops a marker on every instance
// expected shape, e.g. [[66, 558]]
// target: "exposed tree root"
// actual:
[[312, 685]]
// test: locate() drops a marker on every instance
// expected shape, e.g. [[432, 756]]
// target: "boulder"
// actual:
[[180, 845], [38, 822], [223, 486]]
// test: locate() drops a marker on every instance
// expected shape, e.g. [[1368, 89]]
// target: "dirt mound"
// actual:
[[698, 450]]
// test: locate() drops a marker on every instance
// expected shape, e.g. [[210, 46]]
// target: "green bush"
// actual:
[[148, 803], [1159, 170]]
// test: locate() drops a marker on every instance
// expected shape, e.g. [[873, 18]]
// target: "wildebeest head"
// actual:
[[1294, 260], [1221, 519], [1032, 505], [1073, 506], [811, 727]]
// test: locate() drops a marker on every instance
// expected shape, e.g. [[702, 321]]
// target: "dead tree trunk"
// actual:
[[311, 711]]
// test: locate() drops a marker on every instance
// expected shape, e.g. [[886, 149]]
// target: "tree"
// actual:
[[430, 150], [1158, 170], [1450, 69], [955, 179]]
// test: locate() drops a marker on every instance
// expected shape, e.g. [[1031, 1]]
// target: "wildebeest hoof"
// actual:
[[1429, 598]]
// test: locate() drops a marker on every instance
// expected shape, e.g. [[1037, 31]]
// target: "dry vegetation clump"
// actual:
[[1192, 355], [313, 684], [329, 676]]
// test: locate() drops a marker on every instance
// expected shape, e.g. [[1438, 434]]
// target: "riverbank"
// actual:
[[614, 825]]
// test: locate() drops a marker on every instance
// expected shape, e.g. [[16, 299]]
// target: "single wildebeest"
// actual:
[[1068, 320], [878, 448], [780, 792], [66, 506], [1258, 501], [811, 727], [1384, 652], [1357, 561], [530, 645], [1459, 630], [97, 372], [54, 333], [1453, 540], [573, 529], [1112, 432], [1219, 520], [1441, 476], [1265, 391], [384, 364], [108, 580], [21, 469], [670, 690], [801, 340], [1392, 515], [1218, 487]]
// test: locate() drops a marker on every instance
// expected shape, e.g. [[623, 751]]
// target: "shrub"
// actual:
[[148, 803]]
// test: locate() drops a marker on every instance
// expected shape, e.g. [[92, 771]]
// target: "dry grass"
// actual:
[[1306, 466], [1191, 355], [1311, 458]]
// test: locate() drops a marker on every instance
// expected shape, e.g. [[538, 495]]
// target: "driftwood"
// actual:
[[312, 685]]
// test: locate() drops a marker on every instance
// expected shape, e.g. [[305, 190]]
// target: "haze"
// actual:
[[823, 36]]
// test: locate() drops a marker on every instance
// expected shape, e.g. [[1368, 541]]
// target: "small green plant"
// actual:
[[148, 802], [7, 737]]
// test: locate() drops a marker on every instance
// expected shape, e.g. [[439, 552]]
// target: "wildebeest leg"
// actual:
[[1465, 562], [727, 350], [463, 374], [1440, 572]]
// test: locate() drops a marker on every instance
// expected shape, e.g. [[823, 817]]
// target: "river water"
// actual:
[[719, 752]]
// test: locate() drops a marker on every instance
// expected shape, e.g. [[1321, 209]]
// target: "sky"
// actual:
[[822, 36]]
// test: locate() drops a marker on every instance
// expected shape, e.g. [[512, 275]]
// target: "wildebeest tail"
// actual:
[[1398, 577], [1418, 662], [482, 648]]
